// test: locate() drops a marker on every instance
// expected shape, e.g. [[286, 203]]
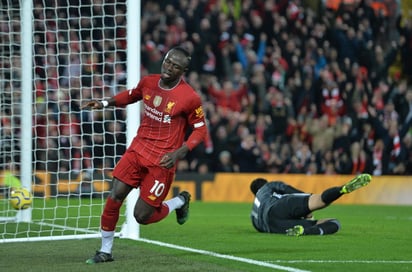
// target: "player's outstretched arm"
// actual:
[[96, 104], [93, 104]]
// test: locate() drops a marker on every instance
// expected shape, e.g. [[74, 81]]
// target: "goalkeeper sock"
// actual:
[[331, 194], [328, 227]]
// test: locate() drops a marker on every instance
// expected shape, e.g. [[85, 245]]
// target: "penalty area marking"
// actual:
[[223, 256]]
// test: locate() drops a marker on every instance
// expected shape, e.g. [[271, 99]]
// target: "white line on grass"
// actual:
[[223, 256], [66, 227], [342, 261]]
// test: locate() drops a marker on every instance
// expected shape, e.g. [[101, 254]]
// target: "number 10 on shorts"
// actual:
[[158, 188]]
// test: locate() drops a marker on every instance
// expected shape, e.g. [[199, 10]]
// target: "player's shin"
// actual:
[[110, 214]]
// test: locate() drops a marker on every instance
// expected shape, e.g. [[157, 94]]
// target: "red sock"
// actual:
[[354, 167], [159, 214], [110, 214], [362, 166]]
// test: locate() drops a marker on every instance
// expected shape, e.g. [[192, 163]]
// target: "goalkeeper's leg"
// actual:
[[319, 201], [323, 227]]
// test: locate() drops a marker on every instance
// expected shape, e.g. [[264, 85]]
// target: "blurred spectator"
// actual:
[[287, 86], [377, 156], [114, 143], [280, 110], [301, 159], [183, 166], [247, 155], [404, 27], [359, 159], [9, 144], [225, 163], [402, 101], [395, 153], [407, 142], [226, 97], [322, 134]]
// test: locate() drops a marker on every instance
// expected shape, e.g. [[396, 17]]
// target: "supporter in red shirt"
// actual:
[[227, 97]]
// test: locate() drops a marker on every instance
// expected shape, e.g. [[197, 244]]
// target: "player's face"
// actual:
[[173, 67]]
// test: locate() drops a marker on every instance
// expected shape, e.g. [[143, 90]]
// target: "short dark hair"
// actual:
[[184, 51], [257, 184]]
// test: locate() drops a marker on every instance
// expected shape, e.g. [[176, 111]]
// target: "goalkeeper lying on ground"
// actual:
[[281, 208]]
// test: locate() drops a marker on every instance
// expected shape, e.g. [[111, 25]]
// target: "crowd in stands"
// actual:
[[287, 87]]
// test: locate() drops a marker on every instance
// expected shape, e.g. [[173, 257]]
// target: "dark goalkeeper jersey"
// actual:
[[265, 198], [166, 117]]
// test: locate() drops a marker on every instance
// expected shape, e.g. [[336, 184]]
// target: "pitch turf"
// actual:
[[219, 237]]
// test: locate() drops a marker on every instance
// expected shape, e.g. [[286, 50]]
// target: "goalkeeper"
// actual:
[[281, 208], [171, 108]]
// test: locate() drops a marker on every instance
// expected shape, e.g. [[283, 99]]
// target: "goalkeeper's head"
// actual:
[[257, 184]]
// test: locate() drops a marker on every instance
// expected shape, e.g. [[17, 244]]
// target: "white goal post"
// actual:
[[55, 56]]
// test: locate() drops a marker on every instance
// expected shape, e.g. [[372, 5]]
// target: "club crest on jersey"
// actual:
[[199, 112], [157, 101], [169, 106]]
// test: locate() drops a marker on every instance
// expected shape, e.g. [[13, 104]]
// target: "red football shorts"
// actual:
[[154, 181]]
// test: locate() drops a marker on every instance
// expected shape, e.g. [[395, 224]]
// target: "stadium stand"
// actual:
[[325, 91]]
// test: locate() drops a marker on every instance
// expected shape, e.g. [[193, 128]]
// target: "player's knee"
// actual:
[[141, 218], [116, 198], [120, 190]]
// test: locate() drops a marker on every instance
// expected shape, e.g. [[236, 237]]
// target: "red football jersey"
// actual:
[[167, 113]]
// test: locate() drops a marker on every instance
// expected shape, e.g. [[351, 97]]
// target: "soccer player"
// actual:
[[171, 108], [281, 208]]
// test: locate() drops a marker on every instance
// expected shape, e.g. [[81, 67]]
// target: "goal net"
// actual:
[[76, 52]]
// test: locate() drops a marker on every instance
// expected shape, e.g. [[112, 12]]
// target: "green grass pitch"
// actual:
[[219, 237]]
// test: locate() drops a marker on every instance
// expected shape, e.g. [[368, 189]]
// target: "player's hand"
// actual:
[[93, 104], [168, 160]]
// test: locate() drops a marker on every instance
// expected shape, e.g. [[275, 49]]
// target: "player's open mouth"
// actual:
[[166, 75]]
